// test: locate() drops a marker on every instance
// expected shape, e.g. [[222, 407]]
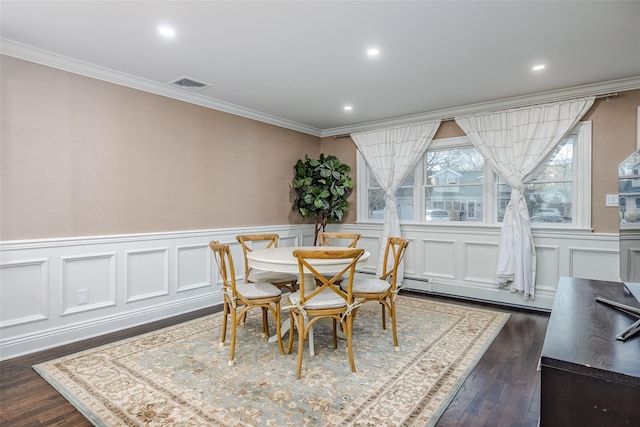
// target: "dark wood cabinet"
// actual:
[[588, 378]]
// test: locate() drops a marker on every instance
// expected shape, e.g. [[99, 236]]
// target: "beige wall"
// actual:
[[614, 138], [82, 157], [345, 150]]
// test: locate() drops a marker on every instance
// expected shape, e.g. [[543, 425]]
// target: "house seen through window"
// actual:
[[453, 184]]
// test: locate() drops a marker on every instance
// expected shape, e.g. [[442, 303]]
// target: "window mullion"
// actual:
[[418, 196]]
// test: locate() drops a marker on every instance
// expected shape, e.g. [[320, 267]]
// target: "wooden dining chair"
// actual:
[[241, 297], [383, 289], [313, 302], [349, 240], [281, 280]]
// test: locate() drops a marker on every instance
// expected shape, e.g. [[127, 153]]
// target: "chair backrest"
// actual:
[[322, 280], [222, 255], [395, 249], [349, 240], [247, 240]]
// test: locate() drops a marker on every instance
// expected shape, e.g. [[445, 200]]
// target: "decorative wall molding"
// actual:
[[594, 263], [76, 271], [54, 269], [193, 267], [460, 261], [548, 263], [19, 306], [53, 60], [146, 274], [129, 280], [595, 89], [43, 57], [477, 272]]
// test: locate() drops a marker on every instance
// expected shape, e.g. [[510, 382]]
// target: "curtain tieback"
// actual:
[[299, 307], [350, 309], [229, 293], [394, 295]]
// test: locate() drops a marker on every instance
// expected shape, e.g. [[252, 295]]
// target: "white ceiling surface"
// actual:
[[301, 61]]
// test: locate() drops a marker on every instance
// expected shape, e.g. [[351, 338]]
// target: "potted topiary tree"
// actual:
[[322, 186]]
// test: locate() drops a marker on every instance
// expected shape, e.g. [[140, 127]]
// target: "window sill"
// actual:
[[459, 225]]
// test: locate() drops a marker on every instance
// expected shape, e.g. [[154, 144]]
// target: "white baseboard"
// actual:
[[495, 295], [55, 337]]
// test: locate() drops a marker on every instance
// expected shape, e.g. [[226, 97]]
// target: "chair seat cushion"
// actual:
[[325, 299], [257, 290], [271, 277], [366, 284]]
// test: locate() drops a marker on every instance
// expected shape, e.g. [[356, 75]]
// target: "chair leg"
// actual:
[[291, 332], [335, 333], [278, 329], [350, 342], [234, 325], [393, 325], [265, 323], [310, 336], [225, 315], [384, 318], [300, 327]]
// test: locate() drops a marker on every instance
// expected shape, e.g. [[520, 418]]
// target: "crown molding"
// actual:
[[595, 89], [32, 54], [50, 59]]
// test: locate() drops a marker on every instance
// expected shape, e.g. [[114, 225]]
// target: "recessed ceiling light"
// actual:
[[538, 67], [166, 32], [348, 108], [373, 52]]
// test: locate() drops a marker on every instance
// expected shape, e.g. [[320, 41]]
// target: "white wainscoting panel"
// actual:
[[23, 292], [370, 244], [147, 274], [136, 279], [440, 258], [633, 266], [547, 267], [95, 275], [193, 268], [128, 280], [591, 263], [479, 262], [410, 260], [460, 260]]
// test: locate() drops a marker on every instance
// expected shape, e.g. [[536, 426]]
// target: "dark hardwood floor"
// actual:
[[502, 390]]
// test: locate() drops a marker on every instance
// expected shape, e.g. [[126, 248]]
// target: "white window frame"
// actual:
[[581, 212]]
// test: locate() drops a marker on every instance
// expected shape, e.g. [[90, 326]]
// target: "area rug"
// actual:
[[178, 376]]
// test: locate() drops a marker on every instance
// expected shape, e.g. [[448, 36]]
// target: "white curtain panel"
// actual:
[[391, 154], [514, 143]]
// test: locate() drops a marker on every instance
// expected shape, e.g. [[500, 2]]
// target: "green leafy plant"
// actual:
[[322, 186]]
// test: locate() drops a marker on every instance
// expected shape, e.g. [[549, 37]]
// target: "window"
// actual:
[[549, 194], [455, 185], [454, 181], [404, 198]]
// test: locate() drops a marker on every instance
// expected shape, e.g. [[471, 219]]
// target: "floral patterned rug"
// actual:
[[178, 376]]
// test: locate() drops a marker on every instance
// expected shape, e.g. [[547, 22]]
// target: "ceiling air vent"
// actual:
[[188, 84]]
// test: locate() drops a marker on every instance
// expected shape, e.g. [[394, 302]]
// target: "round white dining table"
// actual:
[[281, 260]]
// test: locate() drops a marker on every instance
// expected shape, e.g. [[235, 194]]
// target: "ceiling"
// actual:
[[298, 63]]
